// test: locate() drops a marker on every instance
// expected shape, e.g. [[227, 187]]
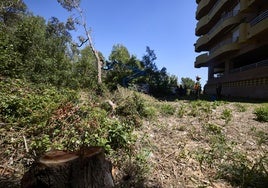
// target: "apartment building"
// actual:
[[233, 44]]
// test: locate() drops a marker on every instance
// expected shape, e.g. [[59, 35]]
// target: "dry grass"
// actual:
[[177, 144]]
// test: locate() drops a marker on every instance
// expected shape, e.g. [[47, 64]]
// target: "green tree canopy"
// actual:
[[11, 11], [119, 53], [188, 83]]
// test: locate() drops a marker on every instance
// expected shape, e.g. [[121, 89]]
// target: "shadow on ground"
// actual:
[[10, 182], [212, 98]]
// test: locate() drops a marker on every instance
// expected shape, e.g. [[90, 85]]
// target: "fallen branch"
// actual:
[[25, 144]]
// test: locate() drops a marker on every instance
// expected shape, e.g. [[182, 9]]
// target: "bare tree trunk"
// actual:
[[95, 52], [60, 169]]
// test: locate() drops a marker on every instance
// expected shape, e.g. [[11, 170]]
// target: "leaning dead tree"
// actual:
[[71, 5], [61, 169]]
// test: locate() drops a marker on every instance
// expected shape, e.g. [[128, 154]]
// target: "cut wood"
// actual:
[[59, 169]]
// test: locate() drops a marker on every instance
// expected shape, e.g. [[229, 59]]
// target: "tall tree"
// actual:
[[11, 10], [149, 58], [188, 83], [74, 5], [119, 70], [119, 53], [85, 69]]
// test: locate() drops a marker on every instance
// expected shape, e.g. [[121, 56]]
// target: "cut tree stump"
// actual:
[[86, 168]]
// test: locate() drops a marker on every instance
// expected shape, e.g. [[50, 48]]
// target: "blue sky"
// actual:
[[167, 27]]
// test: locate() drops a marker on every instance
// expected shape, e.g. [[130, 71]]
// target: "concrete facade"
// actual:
[[233, 44]]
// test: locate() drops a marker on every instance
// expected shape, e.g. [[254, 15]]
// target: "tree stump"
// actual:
[[60, 169]]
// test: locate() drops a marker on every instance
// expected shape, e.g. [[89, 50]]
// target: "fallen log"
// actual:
[[60, 169]]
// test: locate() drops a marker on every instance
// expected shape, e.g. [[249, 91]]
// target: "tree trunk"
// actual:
[[59, 169], [91, 45]]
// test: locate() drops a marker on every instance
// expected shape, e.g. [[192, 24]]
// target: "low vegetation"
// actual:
[[262, 113], [142, 136]]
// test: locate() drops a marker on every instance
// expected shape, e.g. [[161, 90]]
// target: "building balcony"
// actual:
[[202, 26], [201, 60], [248, 72], [251, 2], [259, 26], [218, 6], [206, 22], [203, 7], [243, 32], [201, 43], [259, 65], [226, 22], [246, 5], [224, 48]]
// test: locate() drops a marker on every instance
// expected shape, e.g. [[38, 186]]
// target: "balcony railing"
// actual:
[[203, 22], [263, 63], [259, 18], [224, 42], [211, 10], [222, 19], [204, 7], [201, 60]]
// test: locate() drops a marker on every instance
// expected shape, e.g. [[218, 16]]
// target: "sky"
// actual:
[[166, 26]]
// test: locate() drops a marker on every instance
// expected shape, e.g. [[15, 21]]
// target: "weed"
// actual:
[[149, 112], [262, 137], [261, 113], [134, 169], [194, 110], [213, 128], [181, 111], [227, 115], [184, 153], [133, 104], [231, 164], [119, 135], [240, 107], [206, 108], [239, 173], [167, 109]]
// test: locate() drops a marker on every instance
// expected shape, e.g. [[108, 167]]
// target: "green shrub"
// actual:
[[261, 113], [149, 112], [27, 105], [131, 105], [167, 109], [120, 135]]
